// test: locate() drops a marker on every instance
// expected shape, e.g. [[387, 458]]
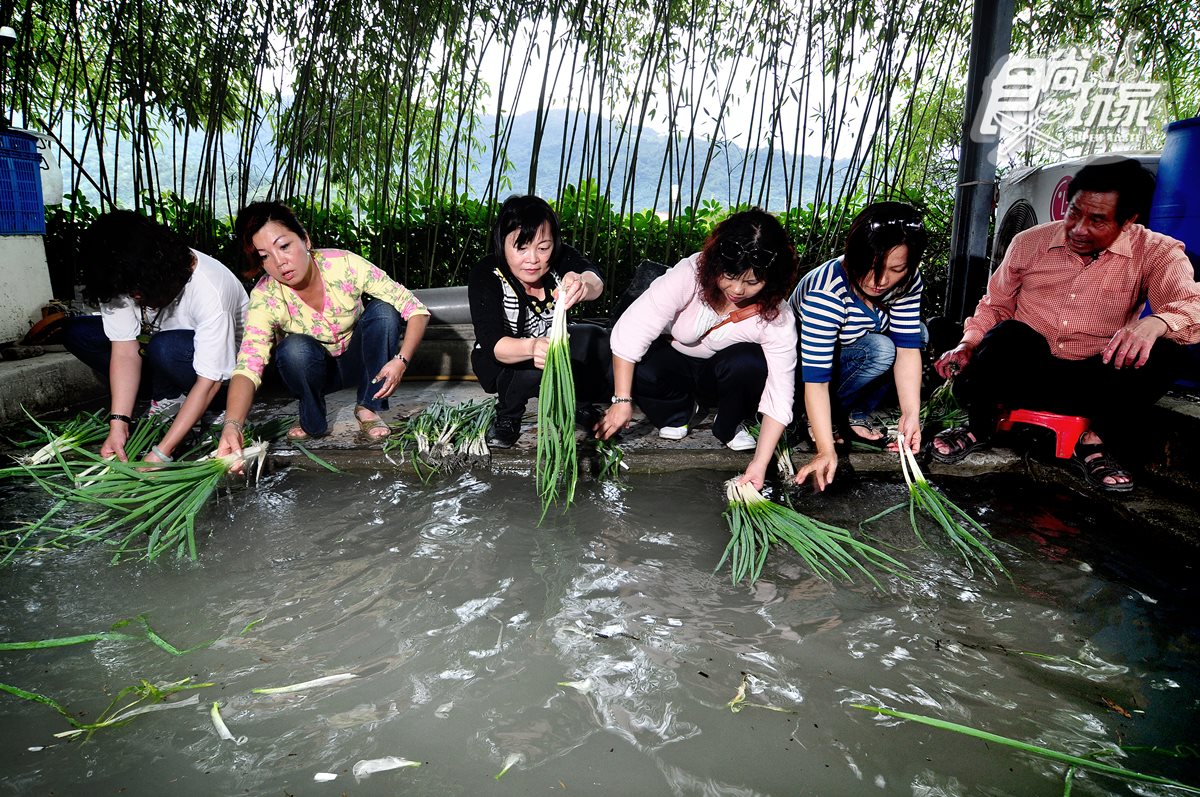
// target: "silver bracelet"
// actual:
[[231, 422], [156, 451]]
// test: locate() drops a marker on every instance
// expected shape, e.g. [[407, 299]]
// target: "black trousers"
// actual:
[[667, 384], [1014, 367], [591, 367]]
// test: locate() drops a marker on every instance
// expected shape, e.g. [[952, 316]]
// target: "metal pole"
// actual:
[[8, 37], [991, 36]]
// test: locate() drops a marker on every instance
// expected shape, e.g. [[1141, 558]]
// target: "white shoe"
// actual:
[[169, 407], [673, 432], [742, 441]]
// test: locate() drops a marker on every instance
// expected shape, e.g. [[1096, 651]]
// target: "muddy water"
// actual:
[[460, 618]]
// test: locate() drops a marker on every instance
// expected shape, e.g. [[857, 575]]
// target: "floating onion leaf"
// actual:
[[147, 698], [300, 687], [368, 767], [222, 729], [1033, 749], [510, 761], [104, 636]]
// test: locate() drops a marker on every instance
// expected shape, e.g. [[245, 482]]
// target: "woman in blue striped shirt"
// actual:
[[860, 319]]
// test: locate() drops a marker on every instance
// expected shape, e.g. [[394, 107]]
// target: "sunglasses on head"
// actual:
[[741, 257], [907, 224]]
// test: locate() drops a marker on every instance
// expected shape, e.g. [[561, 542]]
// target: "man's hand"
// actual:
[[1131, 345], [954, 360]]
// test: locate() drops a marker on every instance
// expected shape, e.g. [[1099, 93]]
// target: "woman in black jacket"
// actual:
[[512, 294]]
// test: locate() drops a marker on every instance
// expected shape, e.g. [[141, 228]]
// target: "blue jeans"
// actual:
[[310, 372], [862, 375], [167, 369]]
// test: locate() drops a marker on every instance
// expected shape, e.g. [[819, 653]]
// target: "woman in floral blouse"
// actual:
[[311, 301]]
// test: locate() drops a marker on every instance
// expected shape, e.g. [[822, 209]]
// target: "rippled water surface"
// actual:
[[461, 618]]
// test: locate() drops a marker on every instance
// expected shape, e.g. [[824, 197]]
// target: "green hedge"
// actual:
[[434, 243]]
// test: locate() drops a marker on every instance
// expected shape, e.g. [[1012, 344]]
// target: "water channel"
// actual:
[[461, 618]]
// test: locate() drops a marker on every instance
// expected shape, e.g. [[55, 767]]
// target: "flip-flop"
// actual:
[[960, 445], [872, 443]]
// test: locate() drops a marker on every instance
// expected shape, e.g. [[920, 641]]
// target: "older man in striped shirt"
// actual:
[[1061, 327]]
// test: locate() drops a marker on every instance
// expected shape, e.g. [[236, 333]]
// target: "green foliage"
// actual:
[[434, 243]]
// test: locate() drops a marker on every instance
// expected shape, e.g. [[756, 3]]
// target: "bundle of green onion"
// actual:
[[61, 440], [756, 523], [444, 435], [136, 507], [942, 408], [947, 515], [557, 468], [783, 453], [84, 429], [610, 460]]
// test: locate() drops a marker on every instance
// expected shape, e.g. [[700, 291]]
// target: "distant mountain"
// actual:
[[721, 183]]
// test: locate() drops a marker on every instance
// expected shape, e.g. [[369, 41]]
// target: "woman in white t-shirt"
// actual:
[[169, 316]]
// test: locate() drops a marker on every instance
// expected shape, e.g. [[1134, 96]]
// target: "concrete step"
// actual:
[[52, 382]]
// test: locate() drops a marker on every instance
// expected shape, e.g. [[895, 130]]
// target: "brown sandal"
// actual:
[[296, 434], [370, 426]]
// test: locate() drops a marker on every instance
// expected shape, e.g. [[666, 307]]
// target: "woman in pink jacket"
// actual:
[[714, 330]]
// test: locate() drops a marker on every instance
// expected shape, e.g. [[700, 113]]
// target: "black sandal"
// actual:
[[1097, 469], [960, 443]]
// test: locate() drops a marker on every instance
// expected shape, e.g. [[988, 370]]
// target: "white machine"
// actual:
[[1032, 195]]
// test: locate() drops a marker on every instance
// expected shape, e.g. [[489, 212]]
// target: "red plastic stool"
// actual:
[[1067, 428]]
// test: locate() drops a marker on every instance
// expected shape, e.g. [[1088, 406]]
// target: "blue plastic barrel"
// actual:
[[1176, 208]]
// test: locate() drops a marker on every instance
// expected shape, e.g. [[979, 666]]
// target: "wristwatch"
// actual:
[[622, 400]]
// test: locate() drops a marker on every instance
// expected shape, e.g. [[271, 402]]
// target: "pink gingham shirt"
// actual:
[[1076, 304]]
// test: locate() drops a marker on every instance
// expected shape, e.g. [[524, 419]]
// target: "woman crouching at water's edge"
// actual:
[[714, 331], [314, 300], [513, 292]]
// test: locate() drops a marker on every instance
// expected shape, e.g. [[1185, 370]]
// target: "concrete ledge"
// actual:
[[50, 383], [444, 353], [1167, 462]]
